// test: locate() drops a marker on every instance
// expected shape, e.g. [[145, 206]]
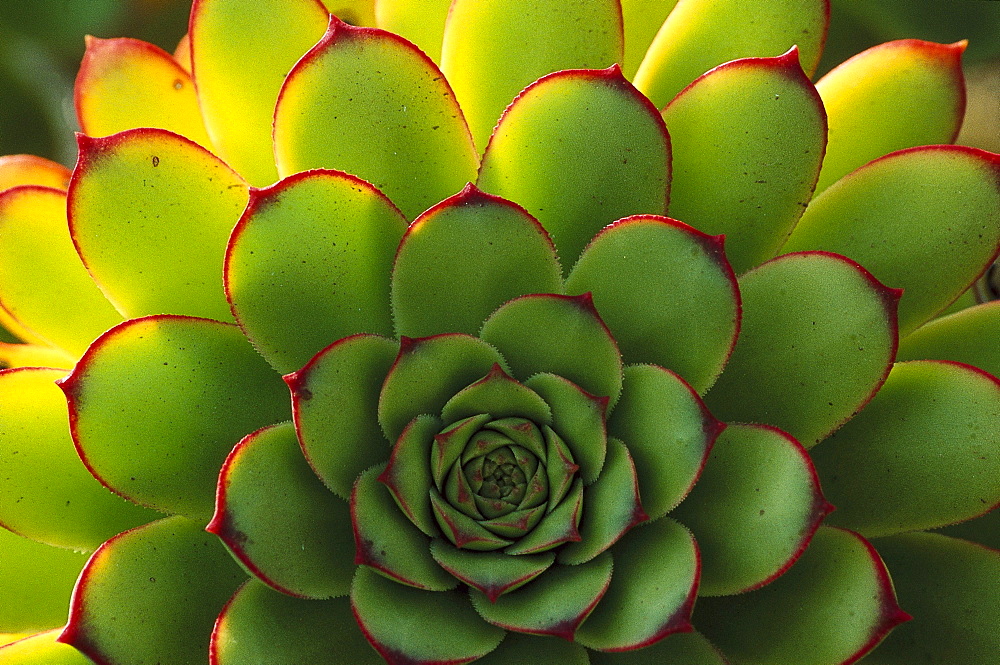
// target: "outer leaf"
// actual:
[[676, 649], [42, 649], [749, 139], [240, 63], [408, 474], [596, 121], [396, 120], [558, 334], [47, 494], [335, 405], [652, 591], [163, 445], [170, 570], [818, 338], [554, 604], [17, 170], [127, 83], [950, 585], [43, 284], [984, 530], [512, 43], [642, 20], [925, 451], [754, 509], [967, 336], [309, 263], [896, 214], [500, 396], [35, 582], [463, 258], [425, 375], [420, 21], [895, 95], [259, 625], [150, 213], [355, 12], [279, 520], [700, 34], [33, 355], [666, 292], [493, 573], [521, 649], [833, 606], [669, 433], [408, 625]]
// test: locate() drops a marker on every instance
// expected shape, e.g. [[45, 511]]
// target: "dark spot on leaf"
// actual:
[[304, 394], [156, 161]]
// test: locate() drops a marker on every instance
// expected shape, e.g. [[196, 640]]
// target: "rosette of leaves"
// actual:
[[353, 409]]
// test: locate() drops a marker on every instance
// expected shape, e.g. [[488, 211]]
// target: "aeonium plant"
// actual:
[[503, 332]]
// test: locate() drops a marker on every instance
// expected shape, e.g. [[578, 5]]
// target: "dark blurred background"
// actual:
[[41, 44]]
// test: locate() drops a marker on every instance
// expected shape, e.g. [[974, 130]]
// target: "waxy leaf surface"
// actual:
[[818, 339], [47, 494], [676, 649], [171, 570], [666, 292], [240, 63], [925, 451], [522, 649], [391, 115], [309, 264], [280, 521], [43, 284], [642, 20], [967, 336], [150, 213], [420, 21], [42, 649], [145, 405], [700, 34], [749, 139], [17, 170], [511, 43], [596, 121], [926, 220], [895, 95], [463, 258], [126, 83]]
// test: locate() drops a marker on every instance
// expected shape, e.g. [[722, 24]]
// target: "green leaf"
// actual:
[[335, 402], [554, 604], [280, 521], [560, 525], [411, 625], [700, 34], [260, 625], [923, 219], [420, 21], [754, 509], [596, 121], [397, 123], [387, 542], [675, 649], [451, 444], [950, 586], [42, 649], [151, 213], [151, 595], [462, 530], [652, 591], [145, 403], [47, 494], [465, 257], [749, 138], [127, 83], [309, 264], [559, 334], [818, 338], [240, 62], [984, 530], [35, 582], [895, 95], [642, 20], [511, 43], [408, 474], [924, 451], [612, 508], [578, 418], [667, 293], [43, 284], [500, 396], [17, 170], [521, 649], [492, 573], [833, 606], [967, 336], [427, 373], [669, 432]]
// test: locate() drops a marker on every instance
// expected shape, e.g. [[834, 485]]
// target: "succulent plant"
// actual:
[[531, 419]]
